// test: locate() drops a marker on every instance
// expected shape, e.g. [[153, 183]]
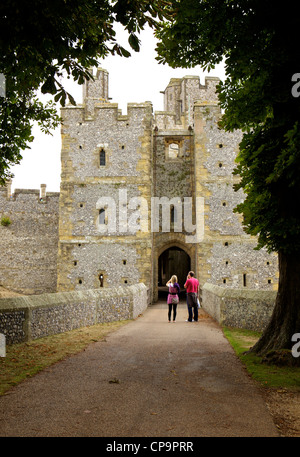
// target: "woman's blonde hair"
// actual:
[[173, 279]]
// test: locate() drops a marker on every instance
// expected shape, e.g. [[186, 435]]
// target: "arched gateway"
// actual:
[[173, 261], [171, 258]]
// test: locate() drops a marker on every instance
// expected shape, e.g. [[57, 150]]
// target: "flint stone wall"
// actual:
[[249, 309], [31, 317], [28, 246]]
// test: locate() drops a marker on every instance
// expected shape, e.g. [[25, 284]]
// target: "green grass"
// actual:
[[24, 360], [271, 376], [5, 221]]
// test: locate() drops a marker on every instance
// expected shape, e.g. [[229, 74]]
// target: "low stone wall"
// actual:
[[249, 309], [35, 316]]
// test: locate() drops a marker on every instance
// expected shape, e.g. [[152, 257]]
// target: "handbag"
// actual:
[[172, 291], [198, 303]]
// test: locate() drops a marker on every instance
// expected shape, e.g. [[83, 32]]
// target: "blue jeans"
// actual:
[[192, 306]]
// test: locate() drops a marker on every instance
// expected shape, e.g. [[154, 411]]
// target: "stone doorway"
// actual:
[[172, 261]]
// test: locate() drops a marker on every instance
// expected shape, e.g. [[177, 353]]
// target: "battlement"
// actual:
[[81, 116], [95, 95], [97, 89], [190, 86], [88, 111], [39, 195], [180, 96]]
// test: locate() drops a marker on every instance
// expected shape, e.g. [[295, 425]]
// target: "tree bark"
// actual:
[[285, 320]]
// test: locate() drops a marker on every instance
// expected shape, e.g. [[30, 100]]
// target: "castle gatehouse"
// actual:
[[143, 196]]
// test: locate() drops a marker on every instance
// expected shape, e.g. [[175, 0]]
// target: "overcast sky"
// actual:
[[133, 80]]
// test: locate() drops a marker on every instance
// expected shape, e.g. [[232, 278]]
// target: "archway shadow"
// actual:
[[173, 261]]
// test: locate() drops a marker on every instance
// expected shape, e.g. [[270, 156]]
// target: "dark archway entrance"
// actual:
[[173, 261]]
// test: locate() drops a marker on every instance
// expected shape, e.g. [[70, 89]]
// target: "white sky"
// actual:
[[136, 79]]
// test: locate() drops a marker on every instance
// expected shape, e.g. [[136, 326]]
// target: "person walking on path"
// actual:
[[173, 298], [192, 287]]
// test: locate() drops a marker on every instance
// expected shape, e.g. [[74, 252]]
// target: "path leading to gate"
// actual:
[[150, 378]]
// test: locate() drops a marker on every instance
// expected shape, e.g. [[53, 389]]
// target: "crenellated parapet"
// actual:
[[180, 96], [39, 195]]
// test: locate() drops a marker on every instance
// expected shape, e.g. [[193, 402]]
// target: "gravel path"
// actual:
[[150, 378]]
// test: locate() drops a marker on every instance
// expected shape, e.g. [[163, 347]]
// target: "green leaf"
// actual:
[[134, 42]]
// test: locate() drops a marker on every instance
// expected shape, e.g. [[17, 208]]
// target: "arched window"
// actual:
[[102, 158], [102, 216]]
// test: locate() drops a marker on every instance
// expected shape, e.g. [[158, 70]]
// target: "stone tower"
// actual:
[[106, 163], [145, 196]]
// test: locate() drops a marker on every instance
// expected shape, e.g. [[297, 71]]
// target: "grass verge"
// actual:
[[24, 360], [271, 376]]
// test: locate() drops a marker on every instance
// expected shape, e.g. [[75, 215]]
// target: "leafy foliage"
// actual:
[[42, 40], [259, 45]]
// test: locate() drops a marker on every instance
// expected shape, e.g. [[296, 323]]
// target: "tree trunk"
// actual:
[[285, 320]]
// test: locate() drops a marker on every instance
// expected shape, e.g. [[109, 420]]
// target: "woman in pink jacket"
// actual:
[[173, 298]]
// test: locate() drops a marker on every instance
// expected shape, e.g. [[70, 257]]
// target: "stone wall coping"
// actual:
[[30, 317], [30, 192], [27, 191], [247, 294], [58, 298]]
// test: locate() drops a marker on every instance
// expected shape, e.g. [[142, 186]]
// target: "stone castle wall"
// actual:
[[226, 256], [28, 246], [204, 168], [110, 164], [120, 254]]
